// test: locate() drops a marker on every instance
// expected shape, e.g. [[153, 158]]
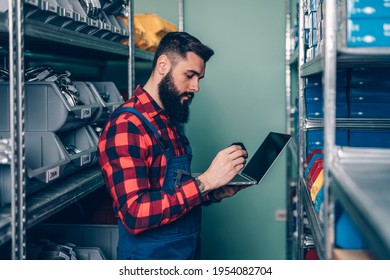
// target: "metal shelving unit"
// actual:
[[291, 66], [349, 58], [51, 41], [361, 185], [356, 177], [50, 201], [24, 213]]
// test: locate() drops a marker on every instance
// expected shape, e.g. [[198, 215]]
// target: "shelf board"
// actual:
[[143, 55], [315, 223], [366, 57], [312, 67], [349, 58], [363, 155], [51, 200], [36, 31], [362, 187], [70, 43], [353, 123]]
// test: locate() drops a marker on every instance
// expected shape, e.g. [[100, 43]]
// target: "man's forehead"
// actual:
[[193, 63]]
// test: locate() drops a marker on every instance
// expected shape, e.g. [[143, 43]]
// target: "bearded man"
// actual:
[[145, 159]]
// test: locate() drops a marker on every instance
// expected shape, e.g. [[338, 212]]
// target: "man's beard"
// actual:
[[171, 99]]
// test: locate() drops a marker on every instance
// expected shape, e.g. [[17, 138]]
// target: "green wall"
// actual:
[[167, 9], [242, 98]]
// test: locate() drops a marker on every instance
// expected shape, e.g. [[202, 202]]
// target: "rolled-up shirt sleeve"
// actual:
[[133, 167]]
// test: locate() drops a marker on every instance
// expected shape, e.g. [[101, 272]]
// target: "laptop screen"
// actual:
[[266, 155]]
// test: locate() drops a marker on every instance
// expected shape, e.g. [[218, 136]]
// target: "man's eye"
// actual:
[[189, 76]]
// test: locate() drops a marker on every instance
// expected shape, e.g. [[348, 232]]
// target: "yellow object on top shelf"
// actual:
[[139, 30], [154, 24], [148, 41], [154, 28], [149, 29]]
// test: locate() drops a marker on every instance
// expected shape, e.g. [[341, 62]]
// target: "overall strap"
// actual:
[[121, 110], [183, 137]]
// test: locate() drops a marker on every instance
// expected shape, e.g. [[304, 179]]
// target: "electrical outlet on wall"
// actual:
[[280, 215]]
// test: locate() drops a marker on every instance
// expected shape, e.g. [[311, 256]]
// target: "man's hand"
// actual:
[[224, 167], [226, 191]]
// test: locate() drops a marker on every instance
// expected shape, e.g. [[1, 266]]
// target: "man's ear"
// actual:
[[163, 65]]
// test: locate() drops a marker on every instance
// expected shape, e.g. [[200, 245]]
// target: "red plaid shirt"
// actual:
[[133, 166]]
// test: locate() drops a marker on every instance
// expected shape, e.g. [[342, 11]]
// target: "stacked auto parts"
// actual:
[[92, 17], [61, 120]]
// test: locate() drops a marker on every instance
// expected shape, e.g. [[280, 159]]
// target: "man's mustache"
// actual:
[[189, 94]]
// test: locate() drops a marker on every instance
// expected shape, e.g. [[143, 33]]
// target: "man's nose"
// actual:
[[194, 86]]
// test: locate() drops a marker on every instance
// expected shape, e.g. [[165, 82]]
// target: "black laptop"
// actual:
[[262, 160]]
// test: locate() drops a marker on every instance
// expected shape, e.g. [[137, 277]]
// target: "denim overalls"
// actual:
[[179, 240]]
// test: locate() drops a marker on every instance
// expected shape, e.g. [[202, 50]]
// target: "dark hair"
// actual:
[[179, 44]]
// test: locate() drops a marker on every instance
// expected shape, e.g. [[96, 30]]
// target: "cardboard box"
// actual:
[[369, 110], [368, 8], [369, 138], [368, 32]]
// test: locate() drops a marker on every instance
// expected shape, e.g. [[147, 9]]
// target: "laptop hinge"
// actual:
[[248, 177]]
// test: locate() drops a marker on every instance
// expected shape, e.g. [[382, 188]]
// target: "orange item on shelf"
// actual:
[[149, 29], [148, 41], [155, 24], [154, 28], [139, 31], [317, 185]]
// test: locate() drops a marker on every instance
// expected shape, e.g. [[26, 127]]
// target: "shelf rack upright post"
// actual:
[[16, 88], [329, 93], [355, 174]]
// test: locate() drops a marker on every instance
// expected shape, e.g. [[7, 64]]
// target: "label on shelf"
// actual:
[[85, 159], [52, 173], [49, 6], [86, 113]]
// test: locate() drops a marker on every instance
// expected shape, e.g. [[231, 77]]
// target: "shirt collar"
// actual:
[[150, 106]]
